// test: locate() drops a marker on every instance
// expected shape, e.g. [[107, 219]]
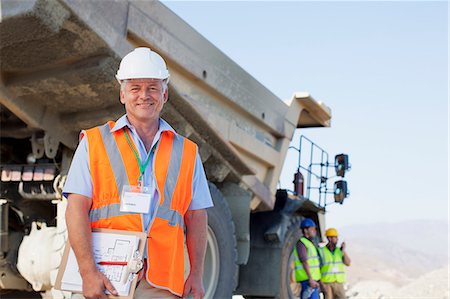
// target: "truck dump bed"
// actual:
[[58, 61]]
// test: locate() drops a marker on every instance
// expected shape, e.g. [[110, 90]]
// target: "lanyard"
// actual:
[[142, 167]]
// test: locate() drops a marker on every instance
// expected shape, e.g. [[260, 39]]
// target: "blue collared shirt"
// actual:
[[79, 179]]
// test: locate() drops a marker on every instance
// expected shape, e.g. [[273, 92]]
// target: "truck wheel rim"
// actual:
[[212, 265], [294, 287]]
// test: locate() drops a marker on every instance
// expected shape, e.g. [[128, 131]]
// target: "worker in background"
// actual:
[[138, 174], [333, 260], [307, 263]]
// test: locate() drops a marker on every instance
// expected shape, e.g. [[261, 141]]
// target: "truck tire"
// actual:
[[288, 287], [221, 269]]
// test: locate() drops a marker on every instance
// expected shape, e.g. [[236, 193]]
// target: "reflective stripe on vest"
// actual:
[[113, 165], [312, 260], [333, 267]]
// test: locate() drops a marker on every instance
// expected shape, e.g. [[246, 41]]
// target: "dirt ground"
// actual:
[[432, 285]]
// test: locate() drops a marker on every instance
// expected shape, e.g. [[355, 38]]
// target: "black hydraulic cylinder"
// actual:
[[4, 245]]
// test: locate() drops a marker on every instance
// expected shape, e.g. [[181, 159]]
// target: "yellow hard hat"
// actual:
[[331, 232]]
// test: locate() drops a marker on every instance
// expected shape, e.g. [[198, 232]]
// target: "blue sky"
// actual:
[[382, 67]]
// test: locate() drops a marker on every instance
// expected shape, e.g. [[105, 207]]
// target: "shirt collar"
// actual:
[[123, 121]]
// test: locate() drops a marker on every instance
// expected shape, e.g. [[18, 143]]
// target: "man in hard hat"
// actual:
[[138, 174], [307, 263], [332, 269]]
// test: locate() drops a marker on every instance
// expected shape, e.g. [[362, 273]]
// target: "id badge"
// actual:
[[136, 199], [335, 270]]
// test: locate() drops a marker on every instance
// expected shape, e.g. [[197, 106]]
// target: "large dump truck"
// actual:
[[58, 61]]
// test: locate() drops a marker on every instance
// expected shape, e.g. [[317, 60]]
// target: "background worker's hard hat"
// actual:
[[142, 63], [331, 232], [307, 222]]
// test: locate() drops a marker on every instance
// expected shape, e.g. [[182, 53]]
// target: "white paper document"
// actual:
[[107, 247]]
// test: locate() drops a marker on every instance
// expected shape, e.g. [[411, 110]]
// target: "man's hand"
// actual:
[[196, 230], [322, 288], [80, 237], [312, 283], [345, 258], [194, 286], [94, 285]]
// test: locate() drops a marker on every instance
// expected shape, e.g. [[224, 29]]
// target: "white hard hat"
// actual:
[[142, 63]]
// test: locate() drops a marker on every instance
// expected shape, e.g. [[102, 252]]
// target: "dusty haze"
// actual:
[[398, 260]]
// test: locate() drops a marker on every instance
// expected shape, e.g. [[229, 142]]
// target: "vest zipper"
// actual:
[[152, 219]]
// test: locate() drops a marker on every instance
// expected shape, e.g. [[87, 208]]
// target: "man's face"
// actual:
[[333, 240], [143, 98], [311, 231]]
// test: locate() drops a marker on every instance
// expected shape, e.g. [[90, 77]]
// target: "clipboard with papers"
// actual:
[[117, 254]]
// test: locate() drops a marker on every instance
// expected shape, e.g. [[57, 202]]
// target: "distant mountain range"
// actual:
[[396, 255]]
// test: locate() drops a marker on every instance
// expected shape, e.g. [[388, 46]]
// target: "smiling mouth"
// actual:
[[145, 104]]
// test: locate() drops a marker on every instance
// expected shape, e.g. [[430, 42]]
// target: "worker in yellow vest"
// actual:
[[139, 174], [333, 260], [307, 263]]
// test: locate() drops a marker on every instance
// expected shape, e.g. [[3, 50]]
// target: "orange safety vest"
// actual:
[[113, 165]]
